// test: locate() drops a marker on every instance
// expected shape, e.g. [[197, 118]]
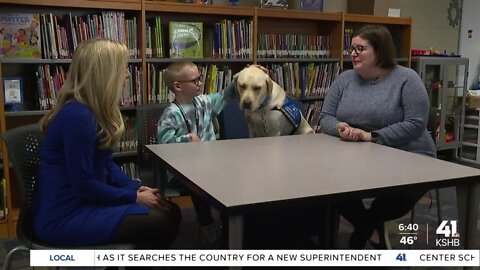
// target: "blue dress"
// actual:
[[82, 194]]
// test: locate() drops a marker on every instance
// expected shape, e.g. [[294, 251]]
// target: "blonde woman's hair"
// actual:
[[96, 78], [176, 71]]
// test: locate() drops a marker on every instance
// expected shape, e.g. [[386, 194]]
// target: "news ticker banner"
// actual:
[[276, 258]]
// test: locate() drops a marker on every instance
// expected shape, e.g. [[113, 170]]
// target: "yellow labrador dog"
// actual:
[[268, 110]]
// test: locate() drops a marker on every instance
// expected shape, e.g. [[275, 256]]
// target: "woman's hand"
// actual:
[[349, 133], [143, 188], [148, 197], [345, 131]]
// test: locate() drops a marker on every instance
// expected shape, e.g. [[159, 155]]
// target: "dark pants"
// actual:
[[155, 230], [203, 209], [383, 208], [283, 229]]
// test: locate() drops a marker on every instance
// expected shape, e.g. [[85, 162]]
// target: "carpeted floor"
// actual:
[[425, 214]]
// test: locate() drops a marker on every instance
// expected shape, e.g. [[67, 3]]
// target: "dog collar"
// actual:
[[264, 103]]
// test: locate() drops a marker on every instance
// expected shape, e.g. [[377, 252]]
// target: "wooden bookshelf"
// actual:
[[264, 21]]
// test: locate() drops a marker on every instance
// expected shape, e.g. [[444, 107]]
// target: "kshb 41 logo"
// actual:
[[447, 234]]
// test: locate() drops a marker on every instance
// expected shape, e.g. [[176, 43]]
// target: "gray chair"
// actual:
[[147, 123], [23, 145]]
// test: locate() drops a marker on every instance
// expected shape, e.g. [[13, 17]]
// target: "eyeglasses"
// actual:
[[357, 48], [195, 81]]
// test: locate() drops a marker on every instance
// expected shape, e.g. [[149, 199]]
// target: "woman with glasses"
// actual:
[[381, 102]]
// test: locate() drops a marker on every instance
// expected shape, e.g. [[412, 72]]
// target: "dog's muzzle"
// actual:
[[247, 104]]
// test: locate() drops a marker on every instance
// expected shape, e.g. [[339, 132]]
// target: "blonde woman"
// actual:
[[83, 198]]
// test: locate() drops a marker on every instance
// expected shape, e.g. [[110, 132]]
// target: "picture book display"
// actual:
[[186, 39], [20, 35]]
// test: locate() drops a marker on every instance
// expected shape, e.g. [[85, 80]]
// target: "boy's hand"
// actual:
[[194, 137], [264, 69]]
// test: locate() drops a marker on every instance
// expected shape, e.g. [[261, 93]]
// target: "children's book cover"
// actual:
[[186, 39], [312, 5], [20, 35]]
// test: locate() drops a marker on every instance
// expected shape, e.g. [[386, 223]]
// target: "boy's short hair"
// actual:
[[175, 72]]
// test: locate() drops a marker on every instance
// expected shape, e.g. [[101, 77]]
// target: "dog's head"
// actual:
[[253, 86]]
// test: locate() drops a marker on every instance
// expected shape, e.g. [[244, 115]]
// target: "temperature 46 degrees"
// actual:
[[408, 240]]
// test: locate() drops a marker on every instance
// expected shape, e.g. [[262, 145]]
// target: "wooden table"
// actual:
[[250, 175]]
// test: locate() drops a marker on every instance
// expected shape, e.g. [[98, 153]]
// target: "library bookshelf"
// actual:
[[254, 28]]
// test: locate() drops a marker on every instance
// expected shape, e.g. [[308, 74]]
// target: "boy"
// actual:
[[189, 119]]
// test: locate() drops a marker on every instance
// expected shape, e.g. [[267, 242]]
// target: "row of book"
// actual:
[[312, 114], [212, 78], [298, 80], [154, 38], [293, 46], [50, 80], [130, 169], [303, 80], [227, 39], [55, 37], [347, 41], [62, 35], [129, 140]]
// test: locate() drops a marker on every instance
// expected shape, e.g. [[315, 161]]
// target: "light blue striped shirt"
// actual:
[[199, 114]]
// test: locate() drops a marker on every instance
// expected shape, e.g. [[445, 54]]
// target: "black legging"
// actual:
[[383, 208], [155, 230]]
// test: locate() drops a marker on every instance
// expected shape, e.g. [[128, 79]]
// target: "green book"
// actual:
[[186, 39]]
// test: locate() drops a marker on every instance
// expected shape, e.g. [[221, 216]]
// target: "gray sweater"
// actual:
[[395, 108]]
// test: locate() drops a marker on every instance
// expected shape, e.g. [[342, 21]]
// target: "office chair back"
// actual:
[[147, 123], [23, 145]]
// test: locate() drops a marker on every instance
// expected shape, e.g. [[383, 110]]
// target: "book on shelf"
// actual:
[[274, 3], [186, 39], [20, 35], [3, 200], [154, 36], [13, 93], [311, 5]]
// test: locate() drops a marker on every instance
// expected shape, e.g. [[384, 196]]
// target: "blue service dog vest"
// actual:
[[292, 112]]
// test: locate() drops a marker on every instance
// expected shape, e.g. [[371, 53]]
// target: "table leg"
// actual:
[[468, 200], [472, 217], [235, 232], [160, 177]]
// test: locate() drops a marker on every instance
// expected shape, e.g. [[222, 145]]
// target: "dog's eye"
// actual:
[[241, 85], [257, 88]]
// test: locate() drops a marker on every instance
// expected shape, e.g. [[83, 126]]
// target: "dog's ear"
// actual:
[[269, 85], [234, 80]]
